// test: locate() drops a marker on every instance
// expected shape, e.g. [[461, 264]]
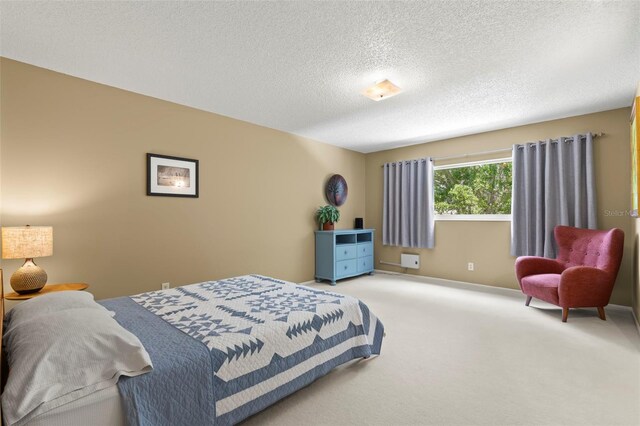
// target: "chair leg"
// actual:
[[528, 301], [601, 313], [565, 314]]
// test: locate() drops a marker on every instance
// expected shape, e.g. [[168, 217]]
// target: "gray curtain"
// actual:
[[407, 212], [553, 184]]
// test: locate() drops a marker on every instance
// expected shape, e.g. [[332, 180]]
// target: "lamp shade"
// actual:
[[24, 242]]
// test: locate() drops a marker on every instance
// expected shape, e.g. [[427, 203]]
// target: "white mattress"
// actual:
[[103, 407]]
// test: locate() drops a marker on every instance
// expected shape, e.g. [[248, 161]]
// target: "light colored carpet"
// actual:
[[473, 355]]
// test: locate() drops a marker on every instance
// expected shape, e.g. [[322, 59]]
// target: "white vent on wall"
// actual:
[[410, 261]]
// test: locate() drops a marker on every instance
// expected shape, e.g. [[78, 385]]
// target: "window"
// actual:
[[473, 191]]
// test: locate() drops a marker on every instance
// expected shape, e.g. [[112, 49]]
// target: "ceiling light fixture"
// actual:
[[381, 90]]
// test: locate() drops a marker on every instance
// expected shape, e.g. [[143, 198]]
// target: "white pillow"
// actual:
[[63, 356], [50, 303]]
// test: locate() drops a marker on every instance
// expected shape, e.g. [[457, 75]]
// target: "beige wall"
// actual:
[[73, 156], [487, 243]]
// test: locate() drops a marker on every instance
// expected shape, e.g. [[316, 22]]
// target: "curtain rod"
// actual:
[[496, 151]]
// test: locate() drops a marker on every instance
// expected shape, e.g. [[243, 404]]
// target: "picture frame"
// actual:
[[169, 176]]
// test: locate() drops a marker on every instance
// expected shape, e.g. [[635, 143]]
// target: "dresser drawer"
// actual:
[[344, 252], [365, 249], [365, 264], [346, 267]]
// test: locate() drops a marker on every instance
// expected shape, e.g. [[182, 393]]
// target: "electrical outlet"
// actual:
[[470, 266], [166, 286]]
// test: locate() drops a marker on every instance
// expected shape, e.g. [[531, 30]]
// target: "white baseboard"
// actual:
[[445, 281]]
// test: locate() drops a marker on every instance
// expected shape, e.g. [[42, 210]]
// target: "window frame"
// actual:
[[472, 217]]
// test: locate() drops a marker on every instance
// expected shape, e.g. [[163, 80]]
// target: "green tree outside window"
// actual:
[[478, 189]]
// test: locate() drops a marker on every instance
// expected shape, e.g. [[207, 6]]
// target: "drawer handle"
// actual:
[[345, 266], [345, 252]]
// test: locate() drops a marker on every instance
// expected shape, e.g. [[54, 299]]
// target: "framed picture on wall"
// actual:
[[172, 176]]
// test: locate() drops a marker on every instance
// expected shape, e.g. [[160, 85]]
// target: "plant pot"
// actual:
[[328, 226]]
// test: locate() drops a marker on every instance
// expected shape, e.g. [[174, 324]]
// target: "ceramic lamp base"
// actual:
[[30, 278]]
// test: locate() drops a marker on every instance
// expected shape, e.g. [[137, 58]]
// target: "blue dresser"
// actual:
[[344, 253]]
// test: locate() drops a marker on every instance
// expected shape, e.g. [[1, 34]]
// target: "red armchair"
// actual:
[[581, 276]]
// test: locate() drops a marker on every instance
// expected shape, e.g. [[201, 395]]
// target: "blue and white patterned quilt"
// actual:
[[265, 339]]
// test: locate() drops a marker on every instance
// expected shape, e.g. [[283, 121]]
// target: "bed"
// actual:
[[219, 352]]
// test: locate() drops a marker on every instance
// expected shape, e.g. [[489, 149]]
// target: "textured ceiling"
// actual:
[[465, 66]]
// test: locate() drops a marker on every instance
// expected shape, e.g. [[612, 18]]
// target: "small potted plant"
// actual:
[[327, 216]]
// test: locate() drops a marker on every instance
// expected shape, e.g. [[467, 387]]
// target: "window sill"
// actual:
[[473, 217]]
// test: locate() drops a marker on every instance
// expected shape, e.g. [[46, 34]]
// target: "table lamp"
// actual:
[[27, 242]]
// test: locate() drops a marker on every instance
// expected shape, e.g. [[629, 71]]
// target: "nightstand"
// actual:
[[48, 289]]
